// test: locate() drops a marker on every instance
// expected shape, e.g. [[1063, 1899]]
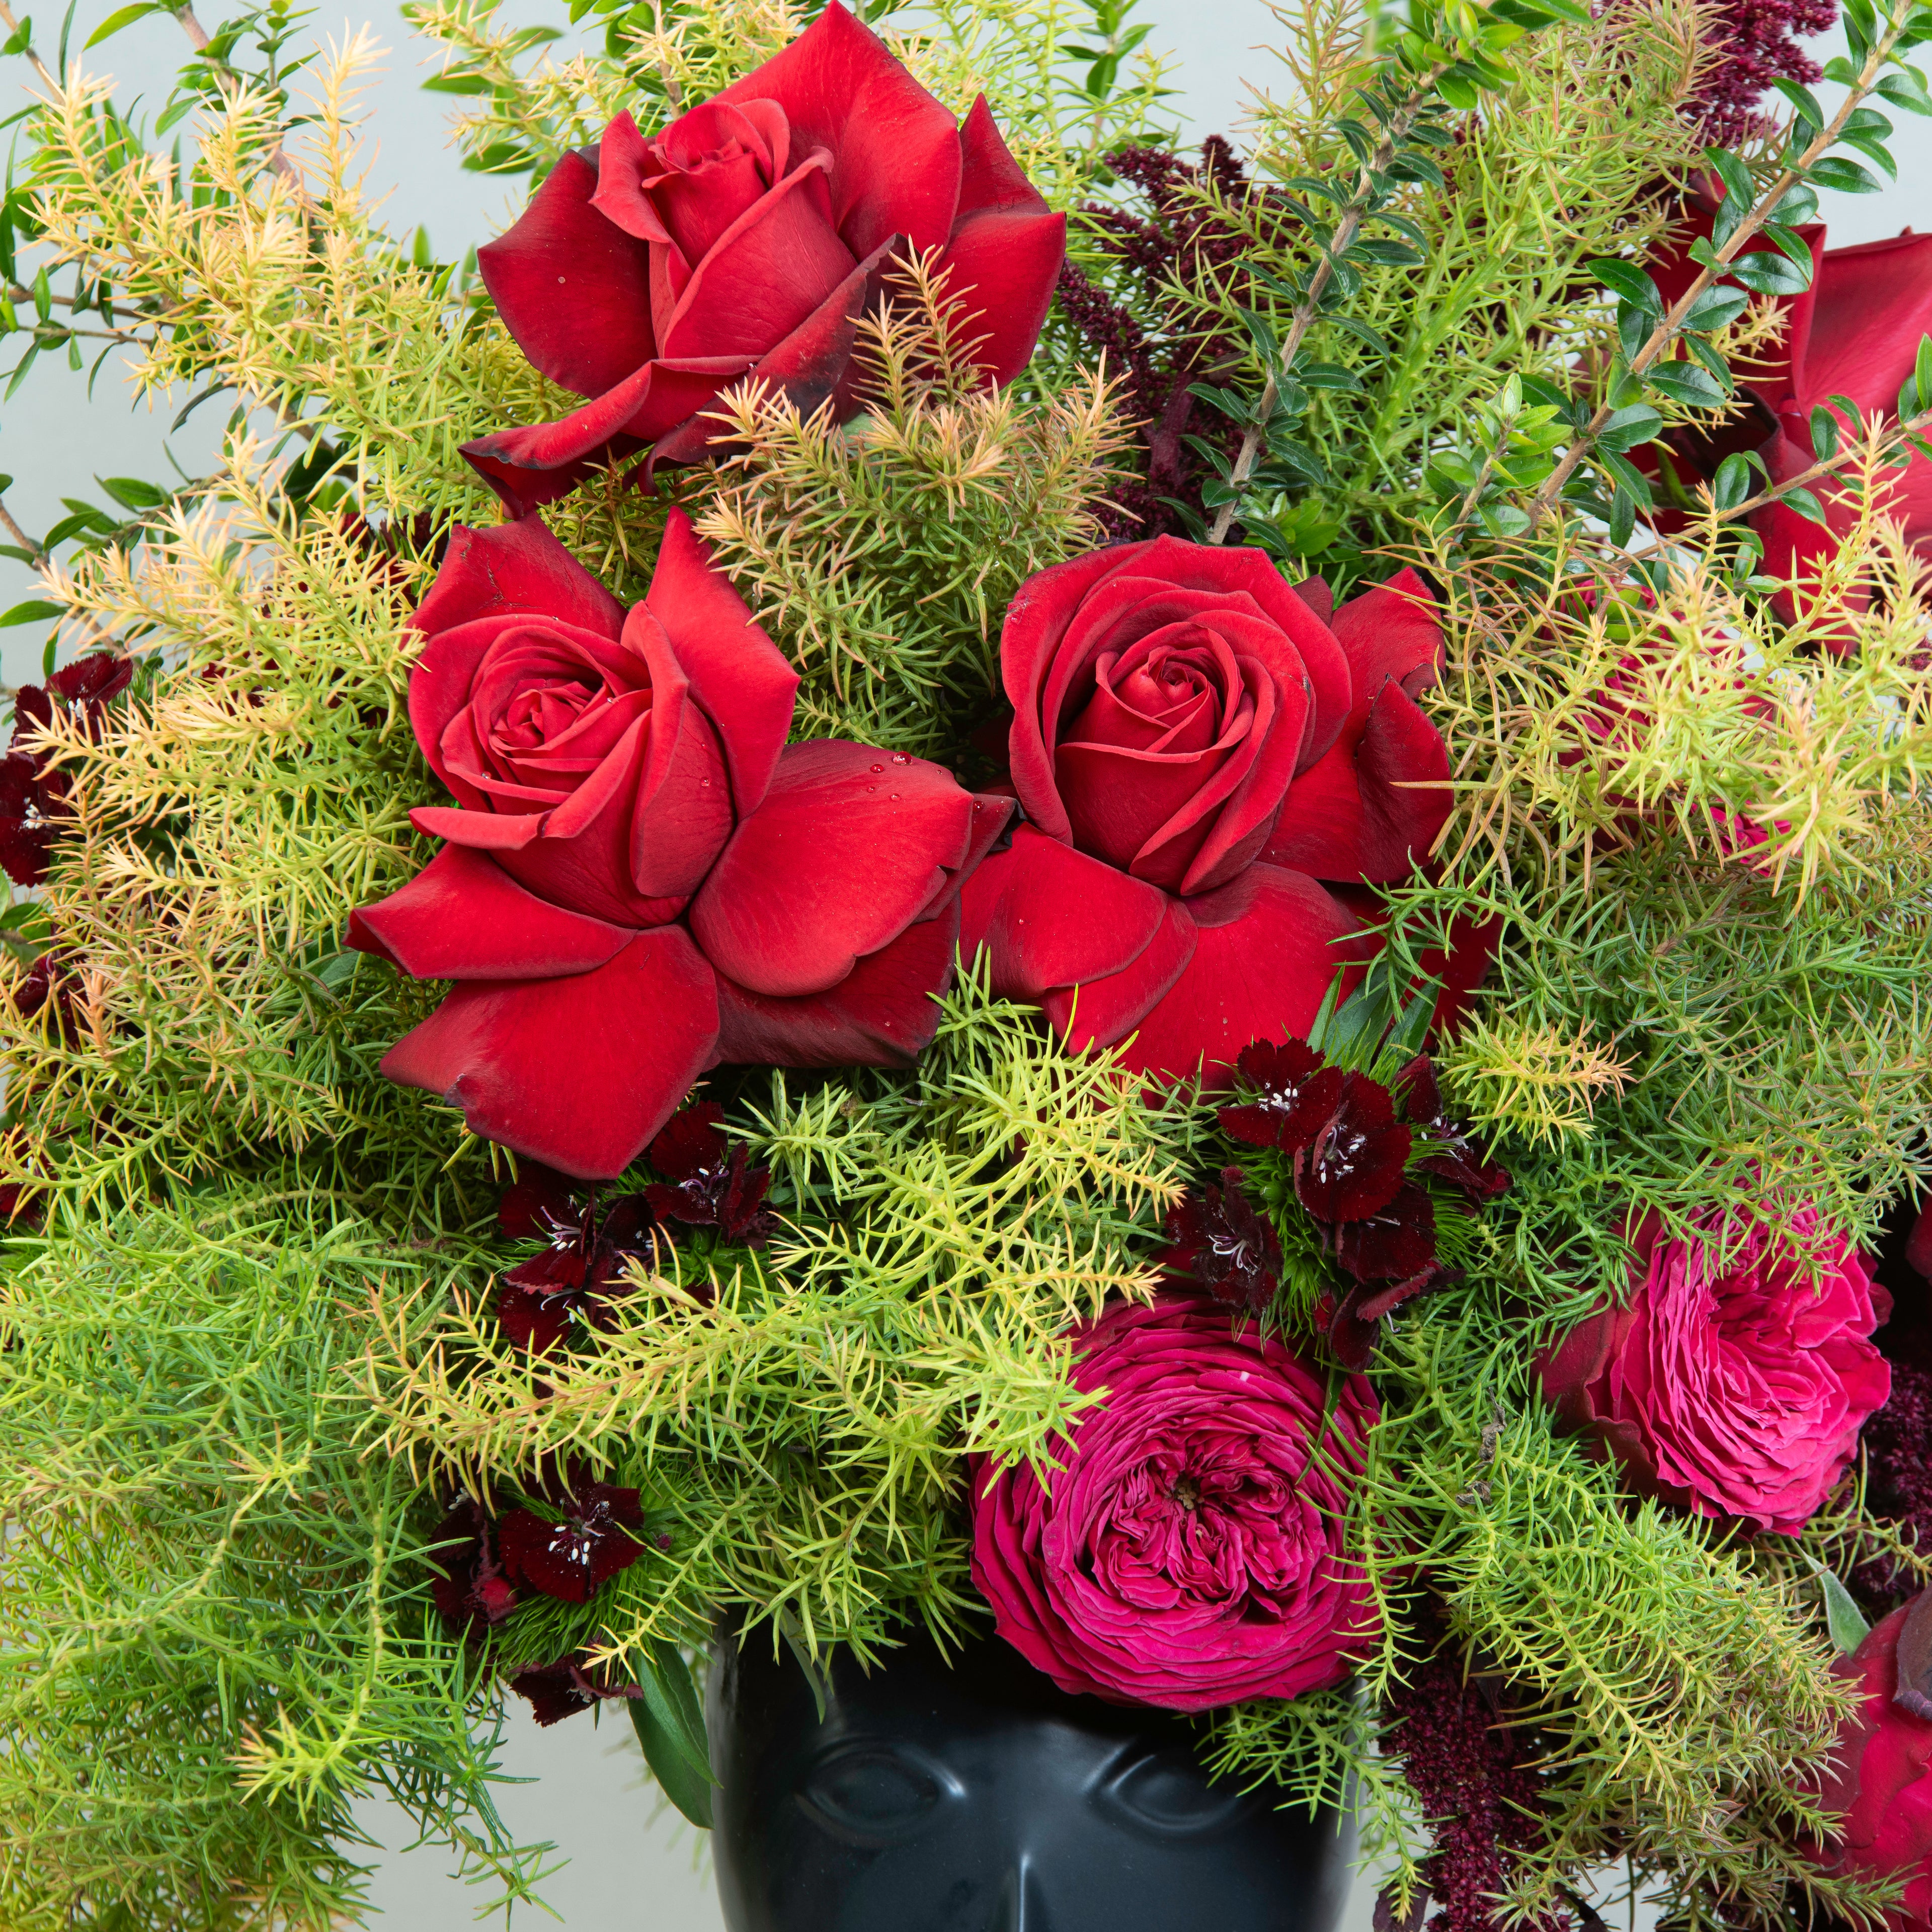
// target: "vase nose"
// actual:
[[1020, 1906]]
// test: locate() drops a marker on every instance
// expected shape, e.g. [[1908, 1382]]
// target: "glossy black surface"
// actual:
[[979, 1798]]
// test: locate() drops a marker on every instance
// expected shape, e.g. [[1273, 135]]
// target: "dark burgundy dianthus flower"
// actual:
[[32, 794], [470, 1587], [590, 1542], [1295, 1090], [1218, 1240], [1422, 1105], [580, 1275], [555, 1691], [706, 1184], [1353, 1164]]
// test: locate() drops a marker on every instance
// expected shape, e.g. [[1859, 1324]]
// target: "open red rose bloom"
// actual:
[[1201, 755], [747, 240], [641, 878]]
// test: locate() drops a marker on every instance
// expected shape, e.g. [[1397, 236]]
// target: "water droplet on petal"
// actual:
[[878, 768], [900, 758]]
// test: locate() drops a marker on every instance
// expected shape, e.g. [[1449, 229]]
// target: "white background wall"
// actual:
[[632, 1865]]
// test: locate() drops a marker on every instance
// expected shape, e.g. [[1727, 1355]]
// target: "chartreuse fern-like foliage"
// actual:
[[215, 1632]]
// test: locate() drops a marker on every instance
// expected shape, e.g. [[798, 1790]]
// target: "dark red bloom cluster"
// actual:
[[32, 793], [1348, 1140], [1220, 1240], [469, 1584], [580, 1276], [706, 1184], [1471, 1769]]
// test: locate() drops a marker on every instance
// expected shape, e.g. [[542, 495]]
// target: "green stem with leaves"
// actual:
[[1664, 336], [1367, 189]]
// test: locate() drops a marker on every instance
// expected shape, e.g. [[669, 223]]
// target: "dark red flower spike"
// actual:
[[469, 1587], [1354, 1164], [1422, 1105], [570, 1558], [1218, 1240], [706, 1184], [1295, 1091]]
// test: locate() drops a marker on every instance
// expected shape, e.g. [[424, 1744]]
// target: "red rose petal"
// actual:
[[464, 917], [572, 287], [1100, 1011], [847, 848], [578, 1073]]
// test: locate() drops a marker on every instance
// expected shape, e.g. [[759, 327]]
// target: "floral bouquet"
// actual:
[[928, 868]]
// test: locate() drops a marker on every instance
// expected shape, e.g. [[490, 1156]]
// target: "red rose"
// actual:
[[641, 878], [1186, 1550], [1854, 333], [1736, 1389], [1878, 1783], [747, 239], [1194, 747]]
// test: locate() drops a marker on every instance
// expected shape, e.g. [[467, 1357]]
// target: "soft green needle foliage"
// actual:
[[801, 1418], [215, 1632]]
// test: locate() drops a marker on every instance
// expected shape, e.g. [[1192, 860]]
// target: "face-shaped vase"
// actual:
[[973, 1796]]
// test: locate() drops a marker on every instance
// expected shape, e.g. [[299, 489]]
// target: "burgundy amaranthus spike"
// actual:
[[1218, 1240], [580, 1276], [706, 1184], [1471, 1771], [1757, 43], [32, 792]]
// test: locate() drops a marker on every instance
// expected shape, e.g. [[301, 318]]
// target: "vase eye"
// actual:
[[870, 1793], [1165, 1792]]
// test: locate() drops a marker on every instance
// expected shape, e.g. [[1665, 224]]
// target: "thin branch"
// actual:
[[1824, 466], [229, 82], [13, 530], [1665, 335], [1307, 308], [39, 67]]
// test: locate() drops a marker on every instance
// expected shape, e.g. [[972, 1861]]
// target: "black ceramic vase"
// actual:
[[975, 1797]]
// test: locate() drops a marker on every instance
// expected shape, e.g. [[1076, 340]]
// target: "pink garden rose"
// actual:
[[1879, 1783], [1737, 1389], [1187, 1551]]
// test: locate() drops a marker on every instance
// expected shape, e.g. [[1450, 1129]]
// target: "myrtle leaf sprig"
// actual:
[[1645, 368], [1439, 68]]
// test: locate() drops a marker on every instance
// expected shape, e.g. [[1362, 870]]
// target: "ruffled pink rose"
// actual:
[[746, 240], [1736, 1390], [640, 878], [1187, 1551]]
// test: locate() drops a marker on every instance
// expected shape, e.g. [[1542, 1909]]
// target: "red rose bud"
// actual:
[[1879, 1783], [746, 242], [1183, 1548], [1354, 1165], [1196, 749], [708, 1183], [1293, 1090], [1218, 1240], [571, 1558], [1735, 1390], [641, 878]]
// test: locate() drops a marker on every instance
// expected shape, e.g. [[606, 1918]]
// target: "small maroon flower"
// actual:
[[1422, 1104], [47, 987], [1295, 1091], [1353, 1163], [555, 1691], [580, 1275], [469, 1587], [1218, 1240], [32, 794], [706, 1184], [588, 1544], [1395, 1242]]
